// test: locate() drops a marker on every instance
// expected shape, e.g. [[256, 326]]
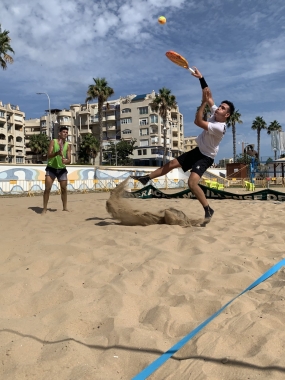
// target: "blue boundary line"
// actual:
[[164, 357]]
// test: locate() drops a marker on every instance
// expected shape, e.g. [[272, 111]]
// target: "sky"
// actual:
[[238, 45]]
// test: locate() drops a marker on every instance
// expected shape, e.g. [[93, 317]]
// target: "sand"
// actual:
[[83, 296]]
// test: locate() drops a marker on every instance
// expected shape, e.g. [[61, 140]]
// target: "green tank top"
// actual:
[[56, 162]]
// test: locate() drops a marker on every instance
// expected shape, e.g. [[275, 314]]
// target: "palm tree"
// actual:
[[88, 148], [162, 103], [39, 144], [257, 125], [231, 123], [101, 91], [273, 127], [4, 48]]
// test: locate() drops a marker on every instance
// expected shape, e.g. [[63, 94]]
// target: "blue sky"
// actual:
[[238, 45]]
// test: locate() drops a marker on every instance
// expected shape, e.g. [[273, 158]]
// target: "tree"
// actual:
[[39, 144], [5, 47], [101, 91], [162, 103], [257, 125], [88, 148], [243, 159], [273, 127], [231, 123], [122, 150]]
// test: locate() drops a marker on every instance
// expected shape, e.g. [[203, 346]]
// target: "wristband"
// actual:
[[203, 83]]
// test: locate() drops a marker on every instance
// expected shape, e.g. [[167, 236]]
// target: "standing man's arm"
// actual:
[[50, 153], [67, 160]]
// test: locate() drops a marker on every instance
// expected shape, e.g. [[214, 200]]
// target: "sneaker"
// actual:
[[143, 179], [209, 212]]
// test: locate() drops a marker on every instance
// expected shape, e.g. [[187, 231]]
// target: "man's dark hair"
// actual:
[[231, 106], [63, 128]]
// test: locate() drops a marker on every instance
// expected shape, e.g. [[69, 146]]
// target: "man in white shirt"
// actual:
[[201, 158]]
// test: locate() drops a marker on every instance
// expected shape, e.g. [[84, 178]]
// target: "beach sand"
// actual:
[[85, 297]]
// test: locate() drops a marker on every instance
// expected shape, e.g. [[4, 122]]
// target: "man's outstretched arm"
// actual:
[[198, 75]]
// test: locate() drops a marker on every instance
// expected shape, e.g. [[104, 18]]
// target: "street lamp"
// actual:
[[164, 145], [115, 143], [49, 118]]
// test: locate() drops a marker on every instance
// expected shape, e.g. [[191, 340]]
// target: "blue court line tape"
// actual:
[[162, 359]]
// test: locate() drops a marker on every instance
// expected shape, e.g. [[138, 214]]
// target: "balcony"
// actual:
[[85, 129], [3, 152], [18, 121], [84, 112], [110, 117], [31, 133], [64, 122]]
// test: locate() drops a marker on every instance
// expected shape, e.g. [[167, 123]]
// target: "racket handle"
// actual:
[[191, 70]]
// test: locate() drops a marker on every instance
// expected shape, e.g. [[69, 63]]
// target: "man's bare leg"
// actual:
[[63, 188], [158, 172], [173, 164], [48, 185], [193, 183]]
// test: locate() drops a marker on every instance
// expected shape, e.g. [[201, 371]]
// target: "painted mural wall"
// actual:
[[16, 179]]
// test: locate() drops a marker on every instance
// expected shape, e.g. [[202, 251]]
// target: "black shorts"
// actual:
[[196, 161], [60, 174]]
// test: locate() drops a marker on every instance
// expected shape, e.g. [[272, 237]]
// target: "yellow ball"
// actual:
[[161, 20]]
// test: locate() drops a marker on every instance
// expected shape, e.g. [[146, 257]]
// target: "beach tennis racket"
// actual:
[[178, 60]]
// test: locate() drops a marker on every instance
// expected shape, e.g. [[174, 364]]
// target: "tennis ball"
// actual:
[[161, 20]]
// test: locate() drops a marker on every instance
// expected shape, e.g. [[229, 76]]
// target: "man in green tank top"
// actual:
[[59, 155]]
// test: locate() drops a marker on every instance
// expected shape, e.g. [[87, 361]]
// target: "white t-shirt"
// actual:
[[208, 141]]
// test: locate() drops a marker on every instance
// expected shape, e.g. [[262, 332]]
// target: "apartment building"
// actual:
[[138, 121], [190, 143], [129, 117], [31, 127], [12, 141]]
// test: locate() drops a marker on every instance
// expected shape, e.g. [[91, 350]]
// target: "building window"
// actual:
[[144, 152], [143, 110], [156, 151], [19, 160], [126, 131], [143, 121], [127, 120], [144, 132], [153, 118], [144, 143], [139, 152], [126, 110], [2, 114]]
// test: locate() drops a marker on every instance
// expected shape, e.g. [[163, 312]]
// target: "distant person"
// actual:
[[202, 157], [59, 155]]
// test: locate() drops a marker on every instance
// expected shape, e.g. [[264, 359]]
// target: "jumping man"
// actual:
[[201, 158]]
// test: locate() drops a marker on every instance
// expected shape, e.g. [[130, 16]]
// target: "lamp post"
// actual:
[[115, 143], [49, 113], [116, 147], [164, 145]]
